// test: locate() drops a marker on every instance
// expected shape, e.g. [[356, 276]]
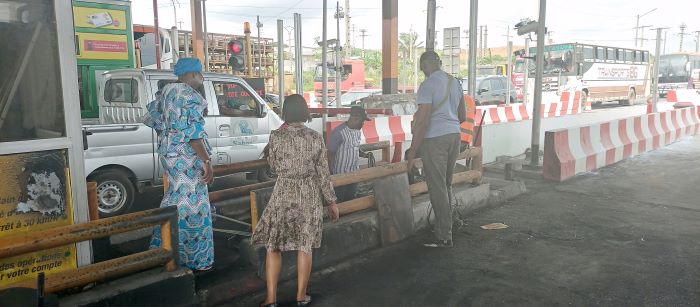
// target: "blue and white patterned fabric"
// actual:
[[177, 117]]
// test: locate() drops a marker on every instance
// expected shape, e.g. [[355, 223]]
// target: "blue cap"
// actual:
[[187, 65]]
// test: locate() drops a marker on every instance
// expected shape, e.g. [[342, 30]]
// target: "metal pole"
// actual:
[[157, 32], [324, 63], [665, 32], [539, 56], [697, 41], [338, 64], [260, 51], [636, 32], [473, 15], [509, 69], [415, 69], [527, 69], [655, 83], [206, 35], [175, 41], [430, 28], [298, 57], [280, 61], [348, 47], [187, 44]]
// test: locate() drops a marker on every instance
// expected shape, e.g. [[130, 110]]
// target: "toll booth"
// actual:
[[42, 177]]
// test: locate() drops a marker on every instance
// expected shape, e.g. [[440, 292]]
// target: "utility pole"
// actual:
[[486, 38], [481, 42], [363, 35], [348, 47], [665, 32], [324, 63], [636, 28], [430, 32], [537, 103], [338, 64], [509, 69], [682, 34], [259, 25], [352, 43], [697, 41], [641, 36], [473, 16], [655, 80]]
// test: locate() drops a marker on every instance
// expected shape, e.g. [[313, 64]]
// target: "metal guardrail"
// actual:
[[40, 240], [336, 111]]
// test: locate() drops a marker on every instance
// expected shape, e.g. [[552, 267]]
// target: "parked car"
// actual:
[[353, 97], [491, 90], [121, 154]]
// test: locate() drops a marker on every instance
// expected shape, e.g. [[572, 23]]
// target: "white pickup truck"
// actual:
[[120, 152]]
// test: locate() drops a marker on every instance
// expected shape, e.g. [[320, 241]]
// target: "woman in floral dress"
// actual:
[[293, 218], [177, 115]]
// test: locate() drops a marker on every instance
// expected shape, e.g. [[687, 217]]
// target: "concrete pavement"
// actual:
[[625, 236]]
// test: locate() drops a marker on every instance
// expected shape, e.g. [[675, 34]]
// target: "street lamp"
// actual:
[[636, 28]]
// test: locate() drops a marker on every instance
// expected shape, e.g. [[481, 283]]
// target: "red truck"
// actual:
[[352, 77]]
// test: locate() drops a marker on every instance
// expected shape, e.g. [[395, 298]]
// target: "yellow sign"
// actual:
[[93, 46], [35, 195], [97, 18]]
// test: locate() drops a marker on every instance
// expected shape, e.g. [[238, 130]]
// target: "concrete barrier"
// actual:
[[571, 151], [568, 103], [685, 98]]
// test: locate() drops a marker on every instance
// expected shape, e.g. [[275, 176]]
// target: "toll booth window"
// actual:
[[121, 91], [235, 100], [31, 96]]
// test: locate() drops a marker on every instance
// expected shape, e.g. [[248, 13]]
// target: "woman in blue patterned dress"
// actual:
[[177, 115]]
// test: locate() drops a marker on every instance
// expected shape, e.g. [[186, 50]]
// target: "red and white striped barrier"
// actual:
[[568, 104], [684, 98], [568, 152], [502, 114]]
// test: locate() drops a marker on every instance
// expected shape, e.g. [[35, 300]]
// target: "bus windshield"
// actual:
[[558, 59], [673, 68]]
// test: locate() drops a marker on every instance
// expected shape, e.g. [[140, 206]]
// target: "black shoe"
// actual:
[[438, 243]]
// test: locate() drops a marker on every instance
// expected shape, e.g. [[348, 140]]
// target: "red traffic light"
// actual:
[[236, 46]]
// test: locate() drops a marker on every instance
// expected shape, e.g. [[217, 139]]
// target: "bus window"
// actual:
[[620, 54], [637, 56], [629, 55], [588, 53], [611, 54], [645, 57], [600, 53]]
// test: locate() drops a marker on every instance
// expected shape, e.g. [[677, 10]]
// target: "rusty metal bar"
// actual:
[[336, 111], [99, 271], [93, 209], [59, 236], [217, 196], [228, 169]]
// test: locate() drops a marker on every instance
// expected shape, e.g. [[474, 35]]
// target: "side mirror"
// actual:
[[262, 112], [483, 90]]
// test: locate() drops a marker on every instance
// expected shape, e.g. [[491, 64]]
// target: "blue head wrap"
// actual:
[[187, 65]]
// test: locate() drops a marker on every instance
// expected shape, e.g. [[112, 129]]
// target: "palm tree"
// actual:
[[408, 47]]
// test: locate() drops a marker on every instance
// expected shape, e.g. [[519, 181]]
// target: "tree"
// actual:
[[408, 50]]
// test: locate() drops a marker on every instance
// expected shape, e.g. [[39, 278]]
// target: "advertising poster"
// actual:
[[99, 18], [93, 46], [34, 196]]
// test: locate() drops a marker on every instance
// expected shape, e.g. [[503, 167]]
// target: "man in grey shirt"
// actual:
[[344, 150], [436, 139]]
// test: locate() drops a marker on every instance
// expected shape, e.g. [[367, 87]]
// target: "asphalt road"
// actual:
[[625, 236]]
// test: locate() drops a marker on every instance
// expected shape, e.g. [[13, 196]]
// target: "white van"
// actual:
[[121, 154]]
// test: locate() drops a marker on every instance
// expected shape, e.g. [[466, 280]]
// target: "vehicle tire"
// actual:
[[115, 192]]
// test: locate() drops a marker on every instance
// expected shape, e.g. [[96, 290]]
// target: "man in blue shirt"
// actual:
[[436, 138], [344, 150]]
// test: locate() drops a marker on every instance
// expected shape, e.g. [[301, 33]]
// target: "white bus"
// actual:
[[602, 73], [678, 70]]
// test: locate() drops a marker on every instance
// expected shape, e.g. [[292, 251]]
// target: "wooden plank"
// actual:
[[393, 201], [457, 178], [102, 270], [355, 205], [93, 209], [217, 196], [59, 236], [262, 197]]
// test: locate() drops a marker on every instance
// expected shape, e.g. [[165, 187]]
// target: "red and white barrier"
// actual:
[[684, 98], [568, 104], [568, 152], [394, 129]]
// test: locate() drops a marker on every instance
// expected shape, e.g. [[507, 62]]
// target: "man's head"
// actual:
[[189, 71], [430, 62], [357, 119]]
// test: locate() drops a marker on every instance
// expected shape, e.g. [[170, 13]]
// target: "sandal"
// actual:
[[262, 304], [305, 302]]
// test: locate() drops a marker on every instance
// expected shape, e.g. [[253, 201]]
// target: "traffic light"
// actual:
[[236, 50]]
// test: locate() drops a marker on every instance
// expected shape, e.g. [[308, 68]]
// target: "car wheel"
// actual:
[[115, 192]]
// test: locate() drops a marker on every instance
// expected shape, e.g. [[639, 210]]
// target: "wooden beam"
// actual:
[[93, 209], [390, 46], [233, 168], [197, 31], [225, 194], [357, 204], [59, 236], [461, 177]]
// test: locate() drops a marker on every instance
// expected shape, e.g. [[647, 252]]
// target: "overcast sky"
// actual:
[[606, 22]]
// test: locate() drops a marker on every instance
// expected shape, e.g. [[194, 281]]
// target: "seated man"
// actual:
[[344, 150]]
